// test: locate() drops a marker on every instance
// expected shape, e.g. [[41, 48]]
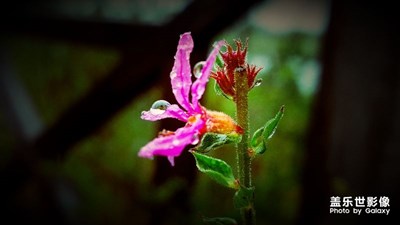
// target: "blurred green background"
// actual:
[[102, 180]]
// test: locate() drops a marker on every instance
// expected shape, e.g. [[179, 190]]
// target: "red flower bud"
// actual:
[[233, 59]]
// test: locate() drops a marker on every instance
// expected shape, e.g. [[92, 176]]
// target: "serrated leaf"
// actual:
[[243, 197], [216, 169], [271, 125], [211, 141], [219, 221]]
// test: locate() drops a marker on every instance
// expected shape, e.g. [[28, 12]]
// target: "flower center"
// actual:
[[218, 122]]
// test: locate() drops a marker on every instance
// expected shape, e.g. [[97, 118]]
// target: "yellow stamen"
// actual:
[[218, 122]]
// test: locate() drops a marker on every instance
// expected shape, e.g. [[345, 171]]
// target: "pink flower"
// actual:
[[198, 119]]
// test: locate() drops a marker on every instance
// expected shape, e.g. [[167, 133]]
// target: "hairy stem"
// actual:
[[243, 157]]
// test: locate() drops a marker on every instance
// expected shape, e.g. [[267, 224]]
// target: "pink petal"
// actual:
[[172, 111], [171, 160], [173, 145], [199, 85], [181, 72]]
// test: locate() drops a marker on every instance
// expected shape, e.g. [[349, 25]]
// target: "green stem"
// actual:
[[243, 157]]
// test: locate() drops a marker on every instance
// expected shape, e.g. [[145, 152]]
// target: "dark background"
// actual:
[[75, 76]]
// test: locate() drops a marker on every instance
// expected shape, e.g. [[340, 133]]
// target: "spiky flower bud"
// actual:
[[233, 59]]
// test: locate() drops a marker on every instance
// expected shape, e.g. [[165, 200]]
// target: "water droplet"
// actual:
[[195, 139], [197, 69], [258, 82], [160, 104], [159, 107]]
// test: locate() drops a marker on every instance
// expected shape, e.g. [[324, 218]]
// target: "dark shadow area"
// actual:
[[73, 74], [353, 138]]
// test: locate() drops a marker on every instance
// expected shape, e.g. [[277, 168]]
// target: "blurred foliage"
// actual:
[[113, 185], [107, 170], [57, 74]]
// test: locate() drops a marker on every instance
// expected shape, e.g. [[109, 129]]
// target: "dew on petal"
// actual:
[[157, 112], [197, 69], [196, 139], [160, 104], [159, 107], [258, 82]]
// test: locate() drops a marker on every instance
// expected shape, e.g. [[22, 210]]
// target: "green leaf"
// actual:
[[257, 141], [243, 198], [261, 136], [261, 148], [271, 125], [217, 89], [257, 137], [211, 141], [219, 221], [215, 168]]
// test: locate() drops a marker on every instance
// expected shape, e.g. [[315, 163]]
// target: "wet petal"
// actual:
[[181, 72], [172, 145], [199, 85], [172, 111]]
